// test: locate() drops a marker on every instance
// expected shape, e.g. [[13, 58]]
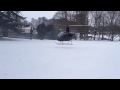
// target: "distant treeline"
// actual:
[[104, 22]]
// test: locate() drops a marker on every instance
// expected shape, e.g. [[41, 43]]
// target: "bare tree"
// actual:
[[113, 18], [73, 17], [81, 18], [98, 22]]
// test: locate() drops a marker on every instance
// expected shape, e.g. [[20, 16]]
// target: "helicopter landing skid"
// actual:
[[63, 43]]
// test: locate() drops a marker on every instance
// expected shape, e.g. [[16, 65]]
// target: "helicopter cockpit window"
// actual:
[[60, 34]]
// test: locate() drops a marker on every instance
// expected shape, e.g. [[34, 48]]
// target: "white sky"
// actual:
[[36, 14]]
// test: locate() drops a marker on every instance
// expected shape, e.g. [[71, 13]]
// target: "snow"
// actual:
[[43, 59]]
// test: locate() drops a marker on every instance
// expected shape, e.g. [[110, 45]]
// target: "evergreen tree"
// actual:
[[41, 30], [51, 33], [10, 21]]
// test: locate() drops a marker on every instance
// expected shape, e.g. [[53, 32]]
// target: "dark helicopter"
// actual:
[[65, 36]]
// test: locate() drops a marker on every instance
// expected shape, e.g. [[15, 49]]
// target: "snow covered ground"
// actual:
[[43, 59]]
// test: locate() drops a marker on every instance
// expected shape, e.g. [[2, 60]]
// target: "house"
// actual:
[[26, 32]]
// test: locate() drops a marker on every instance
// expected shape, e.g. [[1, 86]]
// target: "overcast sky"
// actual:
[[36, 14]]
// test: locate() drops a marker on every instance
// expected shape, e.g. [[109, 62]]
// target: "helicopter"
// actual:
[[67, 35]]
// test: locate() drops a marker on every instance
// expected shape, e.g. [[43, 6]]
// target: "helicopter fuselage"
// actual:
[[65, 36]]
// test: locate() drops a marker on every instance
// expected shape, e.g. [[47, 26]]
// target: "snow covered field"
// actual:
[[37, 59]]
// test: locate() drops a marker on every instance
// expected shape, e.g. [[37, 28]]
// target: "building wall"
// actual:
[[27, 30]]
